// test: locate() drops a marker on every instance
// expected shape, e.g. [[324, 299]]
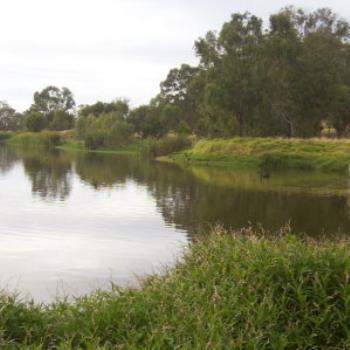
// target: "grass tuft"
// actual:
[[5, 135], [230, 291], [47, 139]]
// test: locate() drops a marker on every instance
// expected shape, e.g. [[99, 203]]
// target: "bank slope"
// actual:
[[271, 153], [231, 291]]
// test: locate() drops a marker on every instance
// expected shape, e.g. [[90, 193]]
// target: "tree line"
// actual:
[[289, 77]]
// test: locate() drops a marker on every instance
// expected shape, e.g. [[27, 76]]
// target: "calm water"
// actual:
[[70, 223]]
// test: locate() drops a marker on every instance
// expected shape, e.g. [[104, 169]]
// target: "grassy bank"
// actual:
[[149, 147], [47, 139], [246, 153], [5, 136], [271, 153], [231, 291]]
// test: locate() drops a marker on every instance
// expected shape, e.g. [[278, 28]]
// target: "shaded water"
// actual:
[[72, 222]]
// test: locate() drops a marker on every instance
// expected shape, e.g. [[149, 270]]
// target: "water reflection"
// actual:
[[82, 219], [192, 197], [50, 173], [8, 159]]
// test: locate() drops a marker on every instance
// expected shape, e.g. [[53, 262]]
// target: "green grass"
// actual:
[[5, 135], [76, 145], [47, 139], [272, 153], [231, 291]]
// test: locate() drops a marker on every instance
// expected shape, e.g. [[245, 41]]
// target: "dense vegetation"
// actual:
[[48, 139], [272, 153], [289, 77], [234, 291]]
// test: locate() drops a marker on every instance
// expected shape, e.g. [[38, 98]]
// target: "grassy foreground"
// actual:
[[272, 153], [231, 291]]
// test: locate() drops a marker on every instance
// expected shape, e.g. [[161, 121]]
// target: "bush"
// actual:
[[5, 135], [168, 144], [50, 139], [62, 120], [95, 140], [35, 121], [107, 130], [47, 139], [120, 134]]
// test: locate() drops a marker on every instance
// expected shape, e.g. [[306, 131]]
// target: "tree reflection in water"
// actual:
[[192, 197], [8, 158], [50, 172]]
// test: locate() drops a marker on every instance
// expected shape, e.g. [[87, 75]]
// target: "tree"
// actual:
[[54, 105], [150, 120], [52, 99], [62, 120], [120, 106], [182, 90], [232, 62], [35, 121], [10, 120], [282, 48]]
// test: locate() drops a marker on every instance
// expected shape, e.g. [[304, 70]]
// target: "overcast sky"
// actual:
[[103, 49]]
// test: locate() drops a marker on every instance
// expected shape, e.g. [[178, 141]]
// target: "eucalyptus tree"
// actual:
[[52, 99], [232, 62], [10, 120], [56, 108], [181, 91]]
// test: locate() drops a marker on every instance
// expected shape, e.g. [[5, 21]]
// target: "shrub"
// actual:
[[35, 121], [62, 120], [5, 135], [107, 130], [47, 139], [168, 144], [95, 140]]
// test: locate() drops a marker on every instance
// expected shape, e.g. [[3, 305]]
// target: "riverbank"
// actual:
[[237, 291], [270, 154], [78, 146], [267, 154]]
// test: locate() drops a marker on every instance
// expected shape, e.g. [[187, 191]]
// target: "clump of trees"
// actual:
[[290, 77], [53, 108], [10, 120], [104, 124]]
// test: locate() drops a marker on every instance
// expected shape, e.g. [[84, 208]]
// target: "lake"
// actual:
[[74, 222]]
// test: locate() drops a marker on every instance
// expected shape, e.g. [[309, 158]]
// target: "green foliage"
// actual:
[[35, 121], [10, 120], [52, 108], [236, 291], [5, 135], [148, 121], [289, 79], [106, 130], [52, 99], [119, 106], [62, 120], [167, 145], [47, 139], [273, 153]]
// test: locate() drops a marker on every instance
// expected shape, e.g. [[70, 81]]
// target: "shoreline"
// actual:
[[235, 289], [260, 154]]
